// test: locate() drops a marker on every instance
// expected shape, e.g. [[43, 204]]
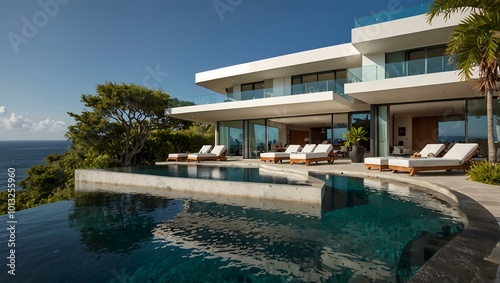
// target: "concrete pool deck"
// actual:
[[474, 256]]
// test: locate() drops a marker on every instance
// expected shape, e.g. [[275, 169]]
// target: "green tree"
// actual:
[[119, 119], [475, 42]]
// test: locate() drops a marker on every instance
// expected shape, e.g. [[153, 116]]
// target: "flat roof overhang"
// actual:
[[341, 56], [283, 106], [404, 34], [437, 86]]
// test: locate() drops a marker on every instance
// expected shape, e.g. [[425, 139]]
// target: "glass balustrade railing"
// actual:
[[391, 14], [400, 69], [337, 86]]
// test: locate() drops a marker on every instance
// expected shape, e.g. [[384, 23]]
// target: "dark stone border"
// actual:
[[468, 257], [464, 258]]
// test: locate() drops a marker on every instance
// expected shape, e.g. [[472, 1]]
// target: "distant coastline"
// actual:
[[23, 154]]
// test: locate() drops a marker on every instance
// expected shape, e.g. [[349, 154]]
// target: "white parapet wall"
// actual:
[[87, 180]]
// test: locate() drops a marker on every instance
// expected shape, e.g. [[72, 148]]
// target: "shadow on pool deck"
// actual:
[[474, 255]]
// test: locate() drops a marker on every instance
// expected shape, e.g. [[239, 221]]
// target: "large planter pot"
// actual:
[[357, 154]]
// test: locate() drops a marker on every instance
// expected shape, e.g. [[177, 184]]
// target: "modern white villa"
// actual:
[[392, 79]]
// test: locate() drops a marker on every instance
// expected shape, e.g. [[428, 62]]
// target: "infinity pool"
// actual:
[[369, 231], [225, 173]]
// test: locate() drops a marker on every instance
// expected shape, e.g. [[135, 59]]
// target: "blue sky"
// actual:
[[52, 51]]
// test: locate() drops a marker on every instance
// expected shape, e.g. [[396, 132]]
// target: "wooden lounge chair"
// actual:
[[279, 156], [218, 153], [322, 152], [458, 157], [382, 163], [183, 156]]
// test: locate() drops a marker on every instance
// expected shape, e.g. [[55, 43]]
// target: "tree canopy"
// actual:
[[119, 119]]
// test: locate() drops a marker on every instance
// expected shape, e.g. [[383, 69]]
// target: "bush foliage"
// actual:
[[485, 172]]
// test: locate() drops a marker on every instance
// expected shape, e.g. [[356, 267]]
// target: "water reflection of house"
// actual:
[[252, 242]]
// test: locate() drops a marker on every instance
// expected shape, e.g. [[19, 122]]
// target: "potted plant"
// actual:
[[353, 137]]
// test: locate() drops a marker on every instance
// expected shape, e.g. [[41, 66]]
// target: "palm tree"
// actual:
[[475, 42]]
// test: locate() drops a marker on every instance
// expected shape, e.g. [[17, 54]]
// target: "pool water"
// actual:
[[364, 234], [225, 173]]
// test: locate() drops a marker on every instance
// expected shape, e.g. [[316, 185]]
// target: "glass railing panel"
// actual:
[[400, 69], [363, 74], [395, 70], [395, 14], [440, 64], [205, 99], [336, 86]]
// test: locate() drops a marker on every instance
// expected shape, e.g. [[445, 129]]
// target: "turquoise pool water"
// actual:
[[367, 232], [225, 173]]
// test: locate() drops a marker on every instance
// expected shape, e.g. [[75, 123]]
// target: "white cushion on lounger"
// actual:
[[309, 148], [321, 150], [177, 155], [423, 162], [377, 160], [290, 149], [461, 151], [274, 154], [428, 148], [308, 155], [455, 156], [216, 151], [205, 149], [324, 148], [434, 148], [293, 148]]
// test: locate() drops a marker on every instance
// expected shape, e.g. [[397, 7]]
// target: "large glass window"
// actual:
[[451, 130], [317, 82], [477, 130], [231, 135], [436, 61], [252, 90], [256, 138], [340, 124], [416, 62], [273, 138]]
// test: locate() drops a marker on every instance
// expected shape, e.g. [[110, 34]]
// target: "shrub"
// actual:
[[485, 172]]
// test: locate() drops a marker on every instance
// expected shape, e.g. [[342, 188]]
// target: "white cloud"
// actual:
[[15, 122], [19, 122], [48, 124]]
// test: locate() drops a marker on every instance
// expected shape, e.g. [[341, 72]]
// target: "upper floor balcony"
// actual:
[[335, 86], [401, 69]]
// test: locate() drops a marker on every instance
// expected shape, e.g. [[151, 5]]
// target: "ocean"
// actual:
[[21, 155]]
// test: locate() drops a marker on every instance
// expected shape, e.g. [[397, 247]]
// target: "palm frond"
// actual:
[[446, 8]]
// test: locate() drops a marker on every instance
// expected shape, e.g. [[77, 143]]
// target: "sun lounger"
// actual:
[[322, 152], [458, 157], [382, 163], [183, 156], [279, 156], [218, 153]]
